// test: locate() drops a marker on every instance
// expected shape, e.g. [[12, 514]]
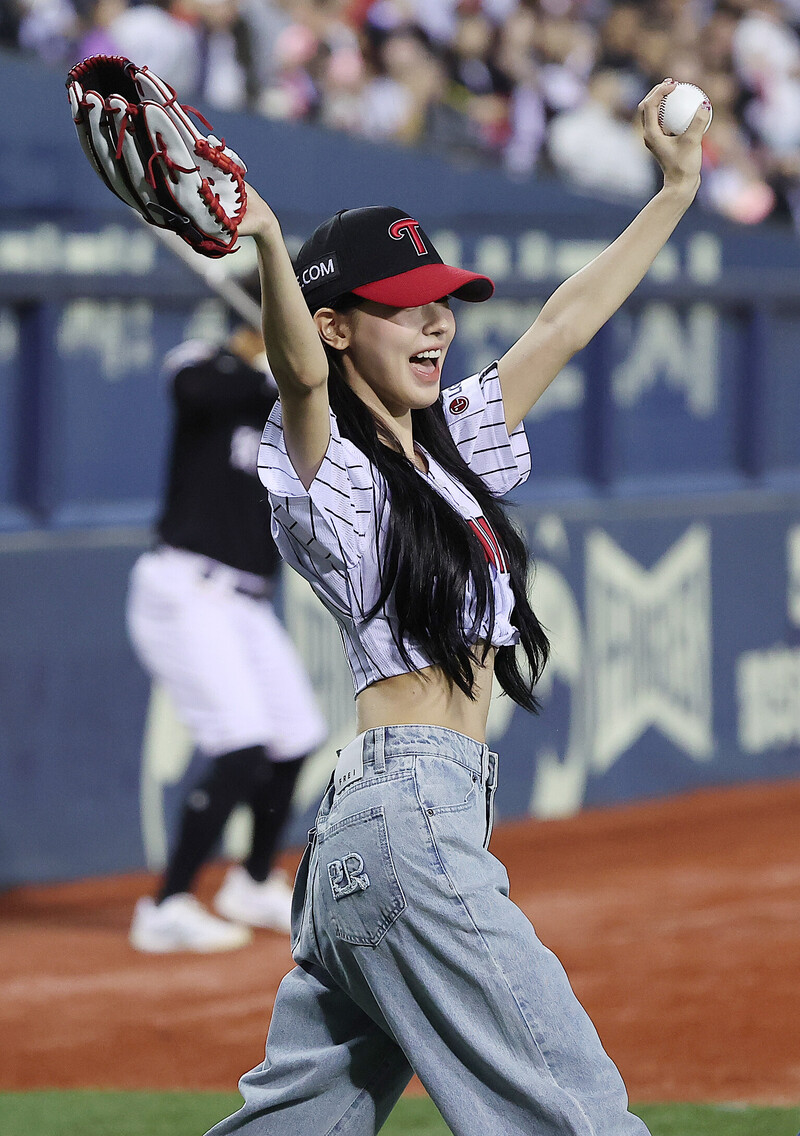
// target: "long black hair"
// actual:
[[431, 550]]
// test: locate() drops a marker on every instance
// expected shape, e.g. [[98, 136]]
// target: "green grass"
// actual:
[[88, 1113]]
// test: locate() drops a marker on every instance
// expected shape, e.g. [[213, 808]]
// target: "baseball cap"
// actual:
[[380, 253]]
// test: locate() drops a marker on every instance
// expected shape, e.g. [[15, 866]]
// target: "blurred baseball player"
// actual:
[[201, 621]]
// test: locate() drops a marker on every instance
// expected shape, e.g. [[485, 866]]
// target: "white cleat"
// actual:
[[244, 900], [181, 923]]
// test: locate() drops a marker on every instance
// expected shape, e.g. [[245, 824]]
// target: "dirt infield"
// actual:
[[678, 922]]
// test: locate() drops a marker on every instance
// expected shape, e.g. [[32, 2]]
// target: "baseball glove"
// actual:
[[147, 150]]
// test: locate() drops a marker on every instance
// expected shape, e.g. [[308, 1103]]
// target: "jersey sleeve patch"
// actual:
[[475, 416]]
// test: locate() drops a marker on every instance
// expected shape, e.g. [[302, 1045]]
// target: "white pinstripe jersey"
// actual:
[[334, 533]]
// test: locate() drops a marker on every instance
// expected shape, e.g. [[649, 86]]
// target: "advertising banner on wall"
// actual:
[[675, 665]]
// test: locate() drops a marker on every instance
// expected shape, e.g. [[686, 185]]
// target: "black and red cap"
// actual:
[[380, 254]]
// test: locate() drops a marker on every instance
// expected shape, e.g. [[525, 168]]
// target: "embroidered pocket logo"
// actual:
[[347, 875]]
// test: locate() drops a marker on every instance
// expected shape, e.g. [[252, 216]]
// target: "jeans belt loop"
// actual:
[[484, 764], [378, 749], [492, 773]]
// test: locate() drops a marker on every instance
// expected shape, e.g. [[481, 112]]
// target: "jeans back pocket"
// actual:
[[357, 877]]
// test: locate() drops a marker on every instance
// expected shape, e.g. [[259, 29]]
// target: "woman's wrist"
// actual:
[[266, 231], [682, 190]]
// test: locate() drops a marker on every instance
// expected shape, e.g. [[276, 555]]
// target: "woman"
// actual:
[[410, 954]]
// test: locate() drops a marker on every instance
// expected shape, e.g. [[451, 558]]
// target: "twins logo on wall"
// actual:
[[640, 657]]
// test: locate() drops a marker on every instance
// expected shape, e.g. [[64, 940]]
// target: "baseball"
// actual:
[[678, 108]]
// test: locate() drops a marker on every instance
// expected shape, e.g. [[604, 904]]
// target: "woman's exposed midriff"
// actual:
[[428, 698]]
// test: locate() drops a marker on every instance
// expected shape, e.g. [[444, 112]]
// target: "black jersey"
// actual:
[[215, 504]]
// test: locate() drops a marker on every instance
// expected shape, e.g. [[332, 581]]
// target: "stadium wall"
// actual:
[[663, 511]]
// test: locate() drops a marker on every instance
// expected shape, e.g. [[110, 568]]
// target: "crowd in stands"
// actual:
[[534, 86]]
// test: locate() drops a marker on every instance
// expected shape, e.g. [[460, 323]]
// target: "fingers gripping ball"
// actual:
[[679, 107], [142, 143]]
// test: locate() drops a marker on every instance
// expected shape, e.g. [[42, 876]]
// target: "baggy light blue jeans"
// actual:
[[412, 958]]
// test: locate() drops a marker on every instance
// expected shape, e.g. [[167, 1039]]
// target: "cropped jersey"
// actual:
[[334, 533]]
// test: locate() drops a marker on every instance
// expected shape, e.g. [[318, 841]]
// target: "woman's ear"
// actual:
[[333, 327]]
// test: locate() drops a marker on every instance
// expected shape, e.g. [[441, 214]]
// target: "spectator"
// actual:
[[48, 28], [227, 74], [654, 49], [435, 18], [567, 52], [619, 38], [99, 18], [498, 82], [292, 94], [446, 128], [266, 20], [393, 105], [479, 88], [527, 120], [767, 59], [153, 35], [732, 183], [716, 44], [343, 83], [10, 15], [470, 58], [597, 147], [764, 46]]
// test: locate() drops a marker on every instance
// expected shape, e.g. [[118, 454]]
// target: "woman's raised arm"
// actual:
[[296, 356], [582, 304]]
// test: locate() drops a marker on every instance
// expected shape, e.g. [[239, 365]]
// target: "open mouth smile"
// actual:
[[426, 363]]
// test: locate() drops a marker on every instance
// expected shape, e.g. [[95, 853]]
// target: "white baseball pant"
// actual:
[[233, 673]]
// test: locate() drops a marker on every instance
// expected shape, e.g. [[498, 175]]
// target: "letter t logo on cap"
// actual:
[[408, 226]]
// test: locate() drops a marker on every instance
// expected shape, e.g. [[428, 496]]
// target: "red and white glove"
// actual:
[[145, 147]]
